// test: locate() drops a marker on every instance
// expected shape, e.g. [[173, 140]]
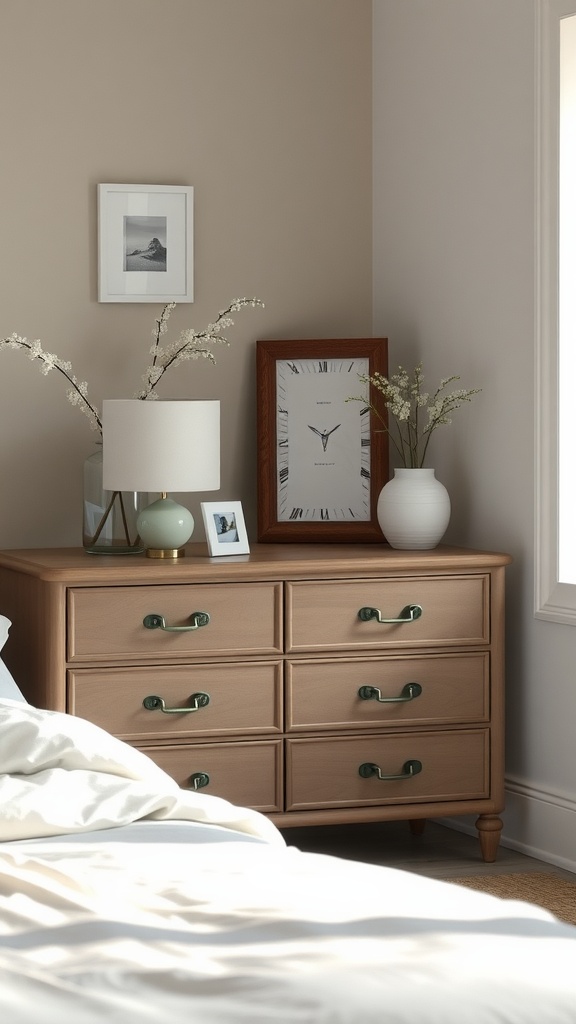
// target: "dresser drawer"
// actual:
[[107, 623], [455, 609], [246, 774], [242, 698], [324, 772], [328, 693]]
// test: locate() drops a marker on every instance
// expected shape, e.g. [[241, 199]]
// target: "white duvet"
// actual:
[[61, 774], [94, 928]]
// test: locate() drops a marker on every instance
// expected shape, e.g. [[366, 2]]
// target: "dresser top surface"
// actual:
[[265, 562]]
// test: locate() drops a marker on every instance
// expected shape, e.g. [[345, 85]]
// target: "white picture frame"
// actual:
[[225, 527], [141, 227]]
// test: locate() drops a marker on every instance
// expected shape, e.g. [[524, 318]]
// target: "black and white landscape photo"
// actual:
[[145, 244], [226, 530]]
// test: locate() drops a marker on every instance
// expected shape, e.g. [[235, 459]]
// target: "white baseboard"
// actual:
[[537, 823]]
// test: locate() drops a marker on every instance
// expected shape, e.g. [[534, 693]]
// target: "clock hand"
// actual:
[[324, 434]]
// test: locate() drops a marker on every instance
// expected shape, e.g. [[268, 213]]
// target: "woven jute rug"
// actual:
[[558, 895]]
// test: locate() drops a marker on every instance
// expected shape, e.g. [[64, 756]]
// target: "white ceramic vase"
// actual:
[[413, 509]]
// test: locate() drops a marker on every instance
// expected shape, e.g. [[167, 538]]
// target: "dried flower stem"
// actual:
[[78, 390], [190, 345], [404, 398]]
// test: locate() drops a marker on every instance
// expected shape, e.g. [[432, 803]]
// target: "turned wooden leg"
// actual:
[[417, 826], [489, 828]]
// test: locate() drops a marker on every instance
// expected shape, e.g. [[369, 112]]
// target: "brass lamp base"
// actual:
[[165, 552]]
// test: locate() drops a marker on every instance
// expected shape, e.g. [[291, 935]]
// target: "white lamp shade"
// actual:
[[161, 446]]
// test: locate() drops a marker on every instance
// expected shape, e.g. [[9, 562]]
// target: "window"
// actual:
[[567, 304], [556, 327]]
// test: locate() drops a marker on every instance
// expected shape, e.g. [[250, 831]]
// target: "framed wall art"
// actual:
[[145, 243], [322, 461], [225, 527]]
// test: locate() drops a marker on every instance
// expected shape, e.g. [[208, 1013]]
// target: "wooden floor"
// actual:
[[440, 852]]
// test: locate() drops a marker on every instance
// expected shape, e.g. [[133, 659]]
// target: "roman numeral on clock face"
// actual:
[[323, 514]]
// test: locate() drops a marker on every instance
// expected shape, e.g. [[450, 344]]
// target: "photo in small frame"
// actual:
[[225, 527]]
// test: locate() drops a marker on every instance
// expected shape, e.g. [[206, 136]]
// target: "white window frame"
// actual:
[[554, 601]]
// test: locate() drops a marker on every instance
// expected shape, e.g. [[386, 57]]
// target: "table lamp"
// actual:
[[159, 446]]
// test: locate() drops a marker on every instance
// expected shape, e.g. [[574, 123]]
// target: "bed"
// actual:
[[126, 899]]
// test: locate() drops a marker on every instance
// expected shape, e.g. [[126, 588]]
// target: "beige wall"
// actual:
[[455, 248], [264, 106]]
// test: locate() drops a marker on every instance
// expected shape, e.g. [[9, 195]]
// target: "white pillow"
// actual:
[[8, 687], [4, 627]]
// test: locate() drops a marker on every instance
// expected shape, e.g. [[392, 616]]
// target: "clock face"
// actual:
[[323, 442]]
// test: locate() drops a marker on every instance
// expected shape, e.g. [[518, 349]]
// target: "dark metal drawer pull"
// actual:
[[200, 700], [409, 769], [409, 692], [199, 780], [408, 614], [159, 622]]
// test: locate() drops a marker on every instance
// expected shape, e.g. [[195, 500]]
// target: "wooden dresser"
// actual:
[[317, 683]]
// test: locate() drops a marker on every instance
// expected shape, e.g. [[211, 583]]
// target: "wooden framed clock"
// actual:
[[322, 461]]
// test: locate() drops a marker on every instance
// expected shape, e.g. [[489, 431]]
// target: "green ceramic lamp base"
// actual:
[[165, 527]]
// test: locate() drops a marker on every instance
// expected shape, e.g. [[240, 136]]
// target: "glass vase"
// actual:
[[109, 516]]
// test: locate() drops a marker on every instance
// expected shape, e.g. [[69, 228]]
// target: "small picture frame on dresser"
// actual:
[[225, 528]]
